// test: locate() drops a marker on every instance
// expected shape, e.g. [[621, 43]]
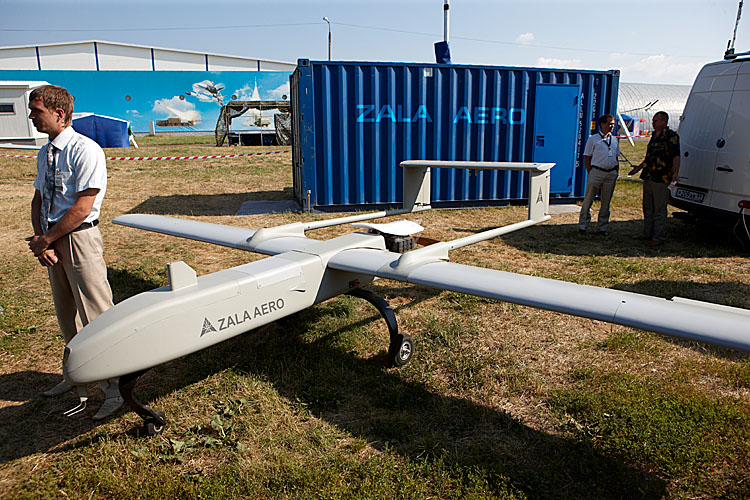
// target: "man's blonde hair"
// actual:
[[53, 98]]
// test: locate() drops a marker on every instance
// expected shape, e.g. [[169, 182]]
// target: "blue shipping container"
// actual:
[[354, 122]]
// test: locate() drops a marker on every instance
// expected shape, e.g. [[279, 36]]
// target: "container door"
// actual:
[[556, 112], [731, 175], [701, 129]]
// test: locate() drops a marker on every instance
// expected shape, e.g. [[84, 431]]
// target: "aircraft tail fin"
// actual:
[[417, 182]]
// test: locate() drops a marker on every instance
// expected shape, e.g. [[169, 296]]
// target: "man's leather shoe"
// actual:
[[110, 406], [60, 388]]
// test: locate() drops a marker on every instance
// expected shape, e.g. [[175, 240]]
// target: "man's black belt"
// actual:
[[605, 169], [85, 225]]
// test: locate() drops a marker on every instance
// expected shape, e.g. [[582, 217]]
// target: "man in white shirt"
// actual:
[[69, 188], [600, 158]]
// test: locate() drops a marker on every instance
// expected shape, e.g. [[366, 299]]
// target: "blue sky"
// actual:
[[663, 41]]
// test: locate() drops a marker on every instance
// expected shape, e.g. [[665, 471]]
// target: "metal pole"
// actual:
[[446, 19], [329, 36]]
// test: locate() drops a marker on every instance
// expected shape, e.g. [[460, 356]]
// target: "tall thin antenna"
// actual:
[[447, 20], [442, 49], [730, 44]]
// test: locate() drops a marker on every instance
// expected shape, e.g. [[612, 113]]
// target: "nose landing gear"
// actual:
[[154, 421]]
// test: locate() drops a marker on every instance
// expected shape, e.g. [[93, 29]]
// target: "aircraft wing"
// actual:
[[228, 236], [688, 319]]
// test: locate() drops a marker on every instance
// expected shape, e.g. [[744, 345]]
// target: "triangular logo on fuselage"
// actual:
[[207, 327]]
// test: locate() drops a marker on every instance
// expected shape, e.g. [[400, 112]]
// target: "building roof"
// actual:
[[103, 55], [22, 83]]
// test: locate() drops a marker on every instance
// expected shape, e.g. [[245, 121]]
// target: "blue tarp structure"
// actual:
[[629, 122], [108, 132]]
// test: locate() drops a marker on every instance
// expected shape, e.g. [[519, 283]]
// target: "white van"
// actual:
[[715, 142]]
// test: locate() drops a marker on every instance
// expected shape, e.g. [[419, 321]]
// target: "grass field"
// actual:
[[499, 400]]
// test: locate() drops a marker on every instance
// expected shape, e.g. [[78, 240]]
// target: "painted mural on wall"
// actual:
[[173, 100]]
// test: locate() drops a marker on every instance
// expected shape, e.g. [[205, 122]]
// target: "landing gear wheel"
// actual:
[[401, 346], [154, 421], [401, 350], [154, 426]]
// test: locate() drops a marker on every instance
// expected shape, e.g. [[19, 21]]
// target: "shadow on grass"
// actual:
[[363, 398], [38, 423], [125, 284], [206, 204], [21, 433], [377, 404], [686, 239], [42, 417]]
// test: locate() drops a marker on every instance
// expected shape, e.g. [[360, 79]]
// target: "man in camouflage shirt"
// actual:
[[660, 168]]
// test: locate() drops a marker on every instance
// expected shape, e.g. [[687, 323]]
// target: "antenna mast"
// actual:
[[729, 54], [442, 49], [446, 20]]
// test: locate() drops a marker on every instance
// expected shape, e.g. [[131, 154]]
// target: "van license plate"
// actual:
[[689, 195]]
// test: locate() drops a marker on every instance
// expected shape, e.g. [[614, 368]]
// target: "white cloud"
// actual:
[[618, 56], [660, 69], [134, 113], [279, 92], [552, 62], [245, 93], [527, 37], [181, 108]]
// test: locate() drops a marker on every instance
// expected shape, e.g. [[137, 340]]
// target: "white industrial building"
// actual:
[[15, 126], [643, 100], [86, 68], [96, 55]]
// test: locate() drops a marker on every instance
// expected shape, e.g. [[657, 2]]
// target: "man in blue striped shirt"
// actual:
[[600, 158]]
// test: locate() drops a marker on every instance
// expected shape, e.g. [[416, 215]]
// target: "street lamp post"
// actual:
[[329, 36]]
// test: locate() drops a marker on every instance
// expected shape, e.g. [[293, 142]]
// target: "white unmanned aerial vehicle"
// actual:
[[193, 313]]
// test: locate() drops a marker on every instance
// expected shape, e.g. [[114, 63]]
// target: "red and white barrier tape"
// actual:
[[169, 157]]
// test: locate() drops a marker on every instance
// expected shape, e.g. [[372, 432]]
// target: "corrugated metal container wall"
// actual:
[[356, 121]]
